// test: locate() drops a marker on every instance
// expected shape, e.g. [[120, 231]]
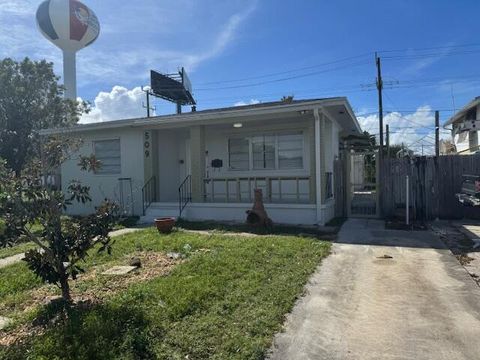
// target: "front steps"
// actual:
[[158, 210]]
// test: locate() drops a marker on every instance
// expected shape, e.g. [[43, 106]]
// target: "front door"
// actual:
[[186, 163]]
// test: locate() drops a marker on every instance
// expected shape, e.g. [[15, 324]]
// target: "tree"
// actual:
[[287, 99], [63, 243], [30, 99]]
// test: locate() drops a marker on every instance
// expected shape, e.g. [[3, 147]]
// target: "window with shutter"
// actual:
[[107, 152]]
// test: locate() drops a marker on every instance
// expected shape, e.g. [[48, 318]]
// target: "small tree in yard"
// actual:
[[62, 243]]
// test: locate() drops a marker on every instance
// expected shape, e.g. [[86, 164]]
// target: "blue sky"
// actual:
[[267, 42]]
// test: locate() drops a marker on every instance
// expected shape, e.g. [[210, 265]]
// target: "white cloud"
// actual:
[[243, 103], [413, 130], [120, 103]]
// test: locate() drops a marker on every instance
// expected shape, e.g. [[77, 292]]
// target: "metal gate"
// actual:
[[362, 186]]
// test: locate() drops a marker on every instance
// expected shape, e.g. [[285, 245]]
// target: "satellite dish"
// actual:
[[71, 26]]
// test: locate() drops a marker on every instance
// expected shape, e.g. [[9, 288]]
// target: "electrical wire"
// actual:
[[288, 71], [285, 78]]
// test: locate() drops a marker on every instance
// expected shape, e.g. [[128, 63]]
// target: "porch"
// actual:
[[210, 172]]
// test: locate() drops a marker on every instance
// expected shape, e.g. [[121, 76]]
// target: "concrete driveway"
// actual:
[[417, 302]]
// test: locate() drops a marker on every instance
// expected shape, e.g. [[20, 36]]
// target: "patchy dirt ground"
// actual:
[[459, 238], [89, 289]]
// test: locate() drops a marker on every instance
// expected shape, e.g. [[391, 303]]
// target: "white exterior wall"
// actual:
[[107, 186]]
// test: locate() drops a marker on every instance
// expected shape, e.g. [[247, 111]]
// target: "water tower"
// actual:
[[71, 26]]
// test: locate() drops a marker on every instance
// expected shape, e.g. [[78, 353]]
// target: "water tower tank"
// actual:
[[71, 26]]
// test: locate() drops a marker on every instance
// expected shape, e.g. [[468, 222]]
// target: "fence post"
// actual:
[[407, 205]]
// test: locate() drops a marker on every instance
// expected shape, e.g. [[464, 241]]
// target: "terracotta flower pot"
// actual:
[[165, 225]]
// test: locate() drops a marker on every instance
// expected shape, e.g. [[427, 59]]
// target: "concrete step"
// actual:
[[158, 210]]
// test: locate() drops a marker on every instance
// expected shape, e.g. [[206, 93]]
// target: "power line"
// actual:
[[285, 78], [425, 56], [359, 56], [288, 71], [432, 48]]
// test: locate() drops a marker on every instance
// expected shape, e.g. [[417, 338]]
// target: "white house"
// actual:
[[465, 127], [206, 164]]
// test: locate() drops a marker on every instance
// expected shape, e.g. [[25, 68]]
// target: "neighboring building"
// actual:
[[153, 166], [465, 126]]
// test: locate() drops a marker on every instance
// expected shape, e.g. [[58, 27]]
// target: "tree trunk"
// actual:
[[65, 290], [64, 285]]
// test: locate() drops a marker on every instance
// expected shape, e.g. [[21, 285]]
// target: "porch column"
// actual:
[[197, 158], [319, 163], [313, 159]]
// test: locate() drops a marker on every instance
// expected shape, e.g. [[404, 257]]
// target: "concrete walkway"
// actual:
[[19, 257], [385, 294]]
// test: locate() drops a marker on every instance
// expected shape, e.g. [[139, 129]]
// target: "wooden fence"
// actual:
[[433, 185]]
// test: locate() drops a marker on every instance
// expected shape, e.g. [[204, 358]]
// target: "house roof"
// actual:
[[459, 114], [219, 113]]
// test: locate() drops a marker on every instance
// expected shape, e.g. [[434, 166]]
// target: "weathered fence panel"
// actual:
[[433, 185]]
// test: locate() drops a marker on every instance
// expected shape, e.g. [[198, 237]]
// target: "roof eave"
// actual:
[[194, 117], [475, 102]]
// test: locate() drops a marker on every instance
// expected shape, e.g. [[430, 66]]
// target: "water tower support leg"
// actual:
[[70, 75]]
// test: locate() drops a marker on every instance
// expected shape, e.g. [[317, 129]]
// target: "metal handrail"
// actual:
[[184, 194], [149, 193]]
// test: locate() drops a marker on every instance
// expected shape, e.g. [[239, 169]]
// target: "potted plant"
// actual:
[[164, 225]]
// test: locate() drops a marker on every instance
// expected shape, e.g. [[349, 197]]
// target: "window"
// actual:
[[290, 151], [263, 150], [239, 154], [267, 152], [107, 152]]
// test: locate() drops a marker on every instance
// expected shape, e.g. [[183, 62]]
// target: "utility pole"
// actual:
[[147, 92], [437, 133], [380, 118], [380, 100], [388, 140]]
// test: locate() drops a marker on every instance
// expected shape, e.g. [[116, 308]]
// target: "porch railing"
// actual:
[[184, 194], [284, 189], [149, 193]]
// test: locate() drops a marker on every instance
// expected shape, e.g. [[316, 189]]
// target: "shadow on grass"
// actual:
[[106, 331], [246, 228]]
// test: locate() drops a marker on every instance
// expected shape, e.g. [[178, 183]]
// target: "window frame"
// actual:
[[100, 173], [276, 136]]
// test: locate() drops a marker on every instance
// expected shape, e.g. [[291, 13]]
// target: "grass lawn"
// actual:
[[225, 301], [16, 249], [21, 247]]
